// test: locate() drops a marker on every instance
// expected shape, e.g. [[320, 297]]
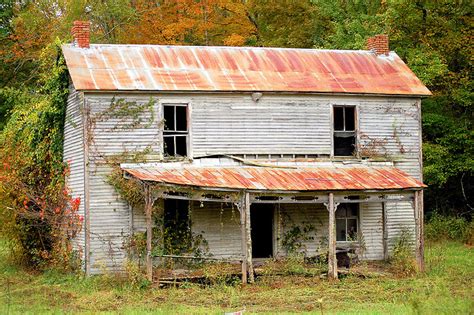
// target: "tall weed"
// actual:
[[403, 261]]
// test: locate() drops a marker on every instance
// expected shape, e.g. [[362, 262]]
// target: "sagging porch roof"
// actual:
[[279, 179]]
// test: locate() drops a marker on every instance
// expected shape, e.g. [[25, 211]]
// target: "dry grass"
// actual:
[[446, 287]]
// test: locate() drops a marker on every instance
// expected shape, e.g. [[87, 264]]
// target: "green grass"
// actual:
[[447, 288]]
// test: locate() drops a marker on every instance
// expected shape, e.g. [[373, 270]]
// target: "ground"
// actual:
[[447, 287]]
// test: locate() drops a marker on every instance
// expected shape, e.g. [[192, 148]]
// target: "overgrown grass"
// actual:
[[446, 287]]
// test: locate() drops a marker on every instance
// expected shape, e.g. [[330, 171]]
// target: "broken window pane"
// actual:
[[338, 118], [169, 146], [349, 118], [181, 147], [344, 145], [168, 115], [181, 119]]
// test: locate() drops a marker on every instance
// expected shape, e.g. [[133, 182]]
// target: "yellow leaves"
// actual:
[[234, 40]]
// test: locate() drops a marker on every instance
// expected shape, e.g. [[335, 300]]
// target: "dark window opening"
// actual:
[[175, 132], [344, 130], [177, 228], [347, 222], [261, 223]]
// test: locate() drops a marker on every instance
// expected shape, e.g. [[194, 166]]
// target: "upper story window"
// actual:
[[347, 222], [176, 130], [344, 130]]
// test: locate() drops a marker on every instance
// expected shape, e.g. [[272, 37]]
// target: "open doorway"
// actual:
[[261, 222]]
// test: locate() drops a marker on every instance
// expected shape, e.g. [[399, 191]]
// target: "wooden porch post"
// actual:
[[148, 210], [332, 260], [248, 234], [247, 266], [419, 244], [384, 231], [243, 238]]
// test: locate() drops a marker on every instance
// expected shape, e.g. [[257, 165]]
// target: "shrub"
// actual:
[[449, 228]]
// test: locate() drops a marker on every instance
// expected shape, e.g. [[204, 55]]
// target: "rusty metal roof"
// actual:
[[280, 179], [195, 68]]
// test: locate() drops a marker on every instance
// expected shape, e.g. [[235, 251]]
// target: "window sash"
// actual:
[[174, 134]]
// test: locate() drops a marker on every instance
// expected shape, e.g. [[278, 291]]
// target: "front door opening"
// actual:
[[261, 218]]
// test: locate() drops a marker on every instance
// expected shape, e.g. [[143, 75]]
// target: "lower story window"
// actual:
[[347, 222]]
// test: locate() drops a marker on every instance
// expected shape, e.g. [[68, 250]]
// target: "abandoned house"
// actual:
[[245, 147]]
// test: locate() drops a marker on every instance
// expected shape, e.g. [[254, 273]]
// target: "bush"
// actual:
[[449, 228]]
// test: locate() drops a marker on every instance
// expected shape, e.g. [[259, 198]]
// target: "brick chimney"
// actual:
[[81, 33], [378, 44]]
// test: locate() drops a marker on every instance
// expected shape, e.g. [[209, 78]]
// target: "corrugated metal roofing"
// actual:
[[195, 68], [281, 179]]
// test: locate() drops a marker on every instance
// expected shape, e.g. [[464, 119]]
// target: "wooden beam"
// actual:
[[384, 231], [332, 260], [148, 210], [248, 234]]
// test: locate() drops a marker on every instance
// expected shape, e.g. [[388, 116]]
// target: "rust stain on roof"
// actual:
[[197, 68], [281, 179]]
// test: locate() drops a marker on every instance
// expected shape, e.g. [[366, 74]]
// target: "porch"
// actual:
[[260, 192]]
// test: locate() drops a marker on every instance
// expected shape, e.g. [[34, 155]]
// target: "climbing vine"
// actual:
[[37, 211]]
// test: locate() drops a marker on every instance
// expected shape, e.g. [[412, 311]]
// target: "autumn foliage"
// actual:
[[37, 211]]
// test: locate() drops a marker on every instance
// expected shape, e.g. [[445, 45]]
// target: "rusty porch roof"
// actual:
[[196, 68], [279, 179]]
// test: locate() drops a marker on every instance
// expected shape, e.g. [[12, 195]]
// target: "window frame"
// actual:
[[354, 133], [346, 218], [176, 133]]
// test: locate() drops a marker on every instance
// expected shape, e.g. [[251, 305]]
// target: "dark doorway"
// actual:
[[261, 217]]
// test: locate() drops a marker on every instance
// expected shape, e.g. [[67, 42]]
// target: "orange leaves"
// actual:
[[211, 22]]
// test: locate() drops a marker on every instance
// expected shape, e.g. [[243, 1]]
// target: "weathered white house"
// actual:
[[326, 139]]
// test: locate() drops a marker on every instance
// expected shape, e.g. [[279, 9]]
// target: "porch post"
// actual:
[[243, 238], [332, 260], [148, 209], [248, 237], [419, 244], [384, 231]]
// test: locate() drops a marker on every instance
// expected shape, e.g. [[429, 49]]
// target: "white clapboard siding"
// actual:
[[400, 217], [219, 224], [73, 154], [274, 125], [291, 215], [394, 124], [371, 226], [110, 222]]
